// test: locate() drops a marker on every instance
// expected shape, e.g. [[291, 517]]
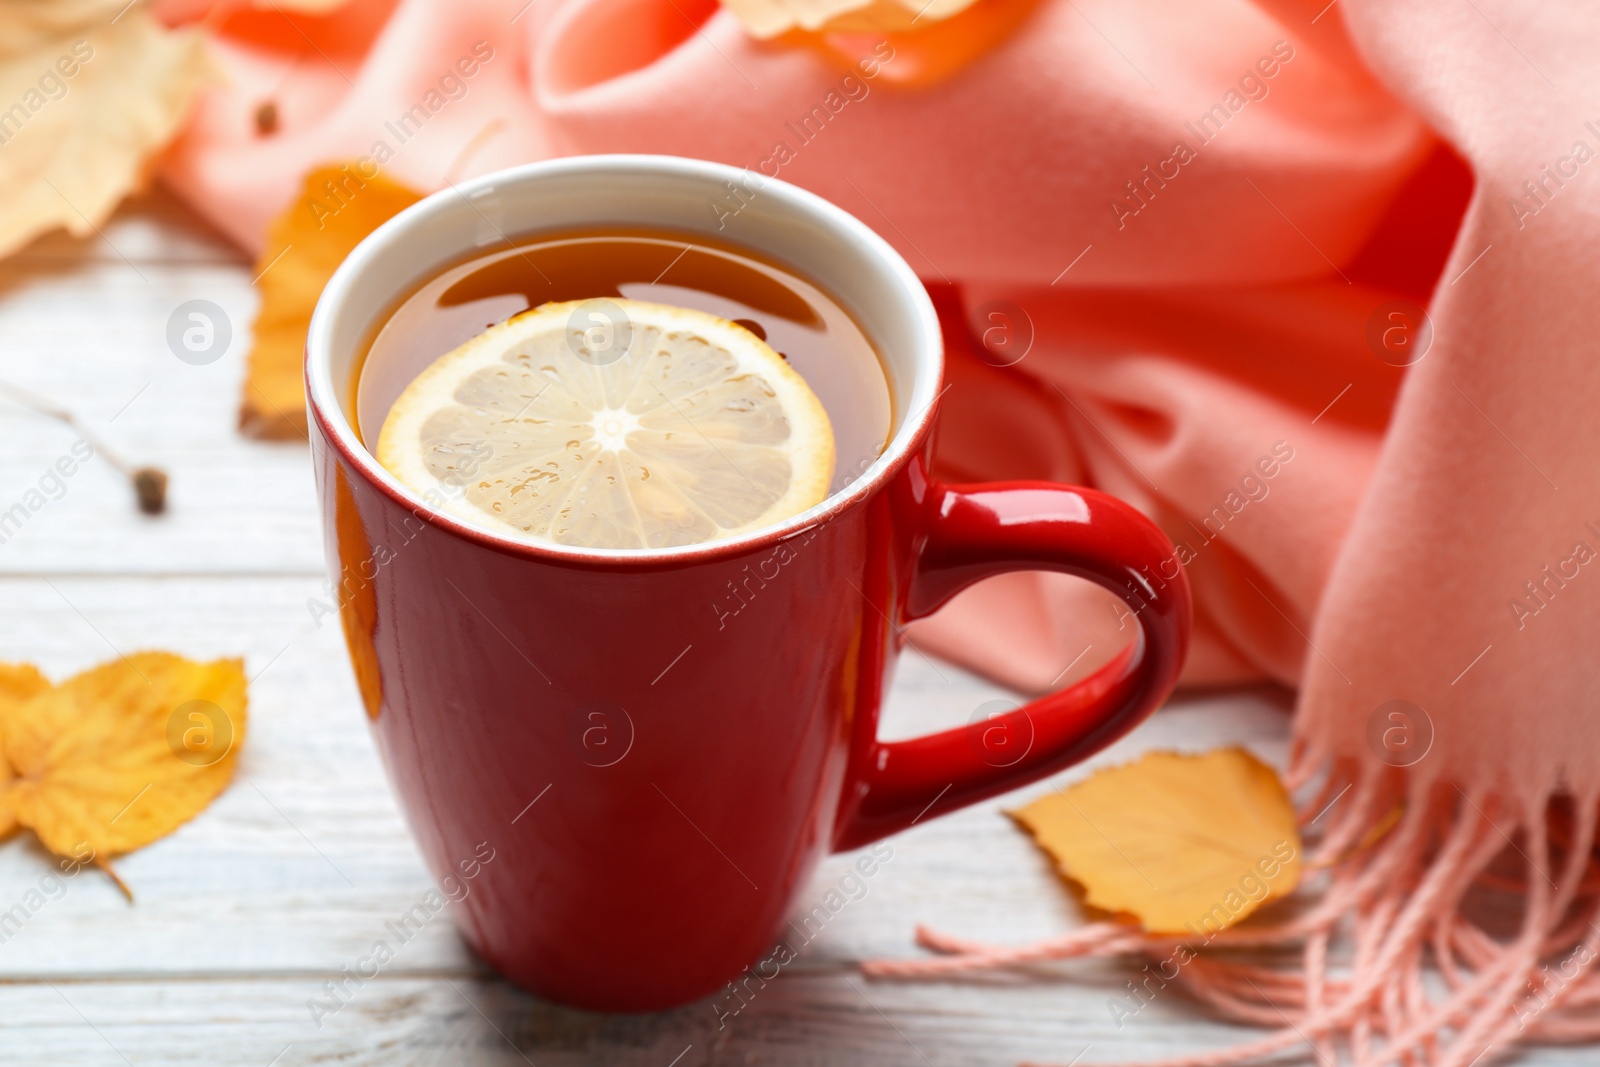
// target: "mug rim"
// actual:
[[323, 403]]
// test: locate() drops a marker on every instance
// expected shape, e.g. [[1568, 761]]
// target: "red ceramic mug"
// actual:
[[654, 780]]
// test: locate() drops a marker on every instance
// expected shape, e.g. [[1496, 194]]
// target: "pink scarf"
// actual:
[[1191, 242]]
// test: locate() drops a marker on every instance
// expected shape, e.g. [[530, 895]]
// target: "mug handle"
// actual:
[[977, 531]]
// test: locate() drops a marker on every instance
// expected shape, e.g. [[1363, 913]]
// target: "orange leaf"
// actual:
[[92, 91], [1182, 843], [337, 207], [769, 18], [122, 754], [923, 54], [18, 683]]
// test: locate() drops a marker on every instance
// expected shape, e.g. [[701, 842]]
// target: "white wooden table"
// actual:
[[243, 914]]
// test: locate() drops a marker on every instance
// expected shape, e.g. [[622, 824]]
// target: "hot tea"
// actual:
[[588, 277]]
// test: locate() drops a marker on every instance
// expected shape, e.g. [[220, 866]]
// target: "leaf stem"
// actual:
[[105, 865], [149, 483]]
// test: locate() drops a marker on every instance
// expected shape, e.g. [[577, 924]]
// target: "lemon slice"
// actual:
[[612, 424]]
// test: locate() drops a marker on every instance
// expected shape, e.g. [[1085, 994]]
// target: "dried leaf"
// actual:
[[122, 754], [307, 7], [769, 18], [18, 683], [174, 12], [336, 208], [86, 98], [1182, 843], [925, 53]]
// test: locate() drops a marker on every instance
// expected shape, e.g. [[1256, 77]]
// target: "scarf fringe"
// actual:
[[1392, 890]]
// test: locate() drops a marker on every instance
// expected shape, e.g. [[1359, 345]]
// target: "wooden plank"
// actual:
[[150, 228], [87, 328], [798, 1020], [299, 859]]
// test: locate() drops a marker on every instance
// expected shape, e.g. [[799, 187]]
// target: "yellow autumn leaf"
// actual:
[[338, 205], [125, 753], [87, 97], [769, 18], [1185, 844], [305, 7], [18, 683], [216, 12]]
